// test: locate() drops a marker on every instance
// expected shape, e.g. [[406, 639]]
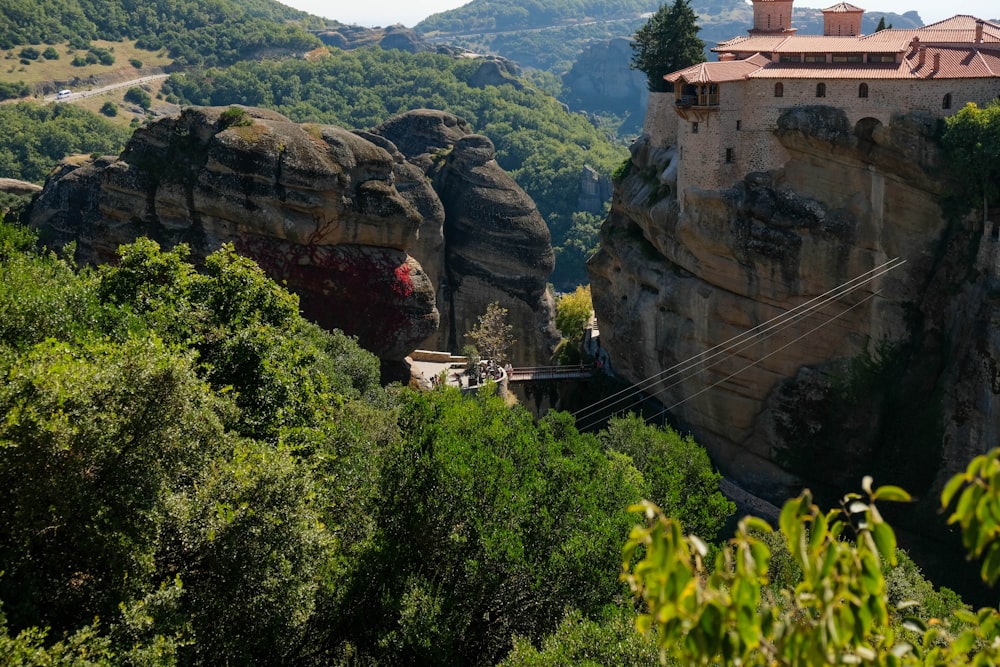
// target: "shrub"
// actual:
[[137, 95]]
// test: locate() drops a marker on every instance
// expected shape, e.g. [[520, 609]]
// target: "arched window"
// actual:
[[863, 90], [779, 90], [946, 102], [820, 90]]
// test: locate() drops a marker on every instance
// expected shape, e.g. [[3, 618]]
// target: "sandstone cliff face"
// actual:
[[806, 404], [497, 246], [341, 217]]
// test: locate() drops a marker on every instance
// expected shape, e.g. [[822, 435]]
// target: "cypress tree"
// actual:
[[666, 43]]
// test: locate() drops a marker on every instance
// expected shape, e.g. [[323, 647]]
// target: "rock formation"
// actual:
[[602, 79], [897, 379], [497, 246], [343, 218]]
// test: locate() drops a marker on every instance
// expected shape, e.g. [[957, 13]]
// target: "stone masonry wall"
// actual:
[[751, 106]]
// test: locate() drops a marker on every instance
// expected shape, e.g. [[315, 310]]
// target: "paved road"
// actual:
[[79, 95]]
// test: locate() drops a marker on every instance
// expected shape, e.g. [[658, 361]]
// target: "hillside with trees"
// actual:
[[195, 32], [192, 473]]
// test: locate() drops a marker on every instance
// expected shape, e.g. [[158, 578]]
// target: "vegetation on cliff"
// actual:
[[193, 474], [972, 144]]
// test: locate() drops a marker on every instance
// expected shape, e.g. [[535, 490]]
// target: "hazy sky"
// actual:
[[411, 12]]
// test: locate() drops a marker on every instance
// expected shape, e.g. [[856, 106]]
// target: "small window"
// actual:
[[790, 58], [820, 90], [729, 155], [815, 58], [863, 90], [694, 128], [847, 58], [779, 90], [739, 125], [946, 102], [881, 58]]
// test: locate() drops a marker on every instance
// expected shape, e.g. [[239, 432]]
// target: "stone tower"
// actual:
[[842, 20], [772, 16]]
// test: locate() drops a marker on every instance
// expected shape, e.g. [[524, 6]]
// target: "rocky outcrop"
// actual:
[[343, 218], [347, 37], [496, 72], [497, 246], [602, 79], [12, 186], [897, 378]]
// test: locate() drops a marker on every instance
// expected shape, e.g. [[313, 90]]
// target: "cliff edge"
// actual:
[[897, 378]]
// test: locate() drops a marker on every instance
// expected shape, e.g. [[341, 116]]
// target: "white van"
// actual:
[[63, 94]]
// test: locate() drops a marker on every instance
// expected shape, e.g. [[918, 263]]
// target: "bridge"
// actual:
[[535, 373]]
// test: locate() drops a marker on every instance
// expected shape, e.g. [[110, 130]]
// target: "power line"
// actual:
[[741, 341], [766, 356]]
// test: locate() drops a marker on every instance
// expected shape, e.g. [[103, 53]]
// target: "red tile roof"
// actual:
[[833, 71], [719, 71], [951, 43], [956, 63], [843, 8]]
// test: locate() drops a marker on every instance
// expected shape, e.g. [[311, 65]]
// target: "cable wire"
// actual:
[[741, 341]]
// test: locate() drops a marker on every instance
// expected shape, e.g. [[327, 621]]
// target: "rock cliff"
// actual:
[[341, 217], [497, 246], [898, 379]]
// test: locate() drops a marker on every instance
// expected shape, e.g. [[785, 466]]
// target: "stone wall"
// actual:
[[751, 107], [661, 122]]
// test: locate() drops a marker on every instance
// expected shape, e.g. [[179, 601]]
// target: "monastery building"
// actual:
[[722, 114]]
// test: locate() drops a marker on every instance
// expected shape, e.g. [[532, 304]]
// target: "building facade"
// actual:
[[725, 112]]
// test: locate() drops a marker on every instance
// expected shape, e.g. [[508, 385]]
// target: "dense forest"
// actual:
[[192, 474], [217, 481], [195, 32], [34, 137]]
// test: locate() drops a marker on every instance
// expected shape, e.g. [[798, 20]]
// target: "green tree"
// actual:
[[92, 437], [487, 525], [573, 312], [838, 610], [971, 142], [492, 334], [137, 95], [881, 25], [677, 473], [666, 43]]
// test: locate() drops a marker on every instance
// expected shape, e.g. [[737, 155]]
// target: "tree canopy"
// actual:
[[971, 142], [192, 474], [666, 43], [835, 608]]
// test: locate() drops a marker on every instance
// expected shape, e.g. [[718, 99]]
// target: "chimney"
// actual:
[[979, 31], [937, 62], [921, 54]]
